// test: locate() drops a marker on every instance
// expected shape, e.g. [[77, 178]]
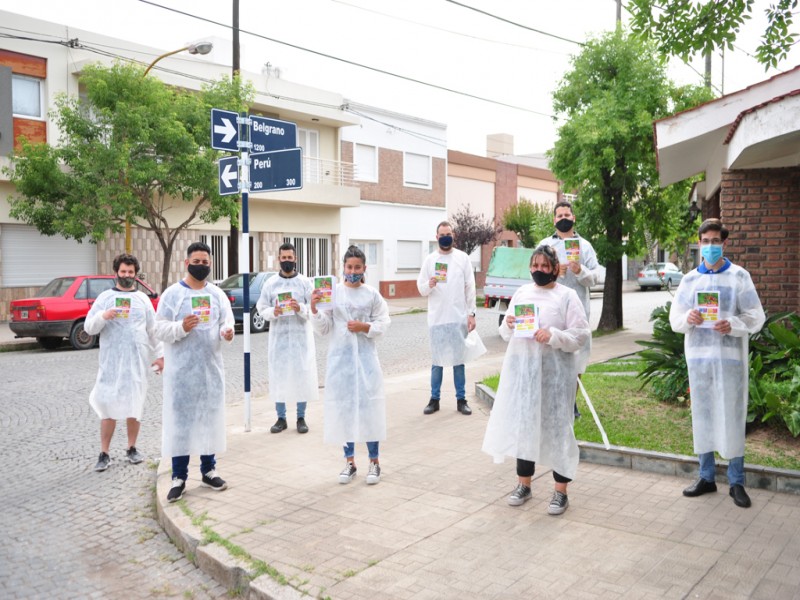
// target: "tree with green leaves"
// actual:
[[472, 230], [608, 102], [131, 149], [531, 222], [685, 27]]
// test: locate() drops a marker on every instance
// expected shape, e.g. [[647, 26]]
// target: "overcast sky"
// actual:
[[434, 41]]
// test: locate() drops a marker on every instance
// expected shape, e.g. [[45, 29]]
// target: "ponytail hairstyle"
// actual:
[[356, 252]]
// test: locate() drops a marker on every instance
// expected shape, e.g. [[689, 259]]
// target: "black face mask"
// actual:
[[287, 266], [445, 242], [542, 279], [199, 272], [564, 225]]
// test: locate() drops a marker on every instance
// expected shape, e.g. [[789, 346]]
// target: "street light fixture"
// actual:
[[198, 48], [694, 210]]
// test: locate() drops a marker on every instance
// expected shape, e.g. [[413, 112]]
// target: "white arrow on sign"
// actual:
[[228, 176], [227, 129]]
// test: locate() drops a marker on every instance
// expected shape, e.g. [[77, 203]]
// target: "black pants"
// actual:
[[526, 468]]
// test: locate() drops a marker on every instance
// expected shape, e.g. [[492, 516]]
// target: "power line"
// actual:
[[352, 63], [493, 16]]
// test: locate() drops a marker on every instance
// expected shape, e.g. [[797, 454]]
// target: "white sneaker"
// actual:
[[348, 473], [374, 475]]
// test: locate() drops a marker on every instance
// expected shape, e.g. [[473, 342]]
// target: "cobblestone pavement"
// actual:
[[73, 533]]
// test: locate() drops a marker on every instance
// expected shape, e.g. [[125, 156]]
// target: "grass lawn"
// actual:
[[632, 418]]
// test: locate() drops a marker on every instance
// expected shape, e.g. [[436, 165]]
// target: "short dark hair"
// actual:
[[549, 253], [563, 204], [713, 225], [443, 224], [287, 246], [197, 247], [125, 259]]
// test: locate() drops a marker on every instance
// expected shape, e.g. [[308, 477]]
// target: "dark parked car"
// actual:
[[658, 275], [232, 287], [58, 310]]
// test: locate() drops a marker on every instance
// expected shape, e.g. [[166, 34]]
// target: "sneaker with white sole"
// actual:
[[558, 503], [348, 473], [134, 456], [214, 481], [102, 462], [176, 491], [374, 475], [520, 495]]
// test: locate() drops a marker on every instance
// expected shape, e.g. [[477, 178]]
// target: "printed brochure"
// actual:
[[123, 307], [441, 272], [526, 320], [201, 306], [326, 284], [572, 247], [285, 304], [708, 305]]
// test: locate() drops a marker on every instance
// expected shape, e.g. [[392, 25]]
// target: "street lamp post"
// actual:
[[198, 48]]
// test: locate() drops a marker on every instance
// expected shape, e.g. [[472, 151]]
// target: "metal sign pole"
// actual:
[[244, 261]]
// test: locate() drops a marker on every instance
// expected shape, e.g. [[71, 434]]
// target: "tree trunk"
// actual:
[[166, 249], [611, 315]]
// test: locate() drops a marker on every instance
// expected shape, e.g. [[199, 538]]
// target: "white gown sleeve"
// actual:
[[379, 319], [576, 334]]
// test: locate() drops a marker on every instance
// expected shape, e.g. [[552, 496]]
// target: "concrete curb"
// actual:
[[678, 465], [213, 559]]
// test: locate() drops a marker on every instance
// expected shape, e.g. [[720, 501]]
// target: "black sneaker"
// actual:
[[348, 473], [134, 456], [279, 426], [214, 481], [558, 504], [176, 491], [520, 495], [102, 462], [301, 425], [432, 407]]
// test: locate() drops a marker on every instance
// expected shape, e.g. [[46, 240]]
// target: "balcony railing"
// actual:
[[328, 172]]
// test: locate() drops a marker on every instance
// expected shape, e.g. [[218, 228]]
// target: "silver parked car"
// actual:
[[658, 275]]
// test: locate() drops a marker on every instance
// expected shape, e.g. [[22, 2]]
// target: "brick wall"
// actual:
[[761, 208], [32, 66]]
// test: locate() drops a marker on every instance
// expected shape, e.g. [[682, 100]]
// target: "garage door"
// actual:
[[30, 258]]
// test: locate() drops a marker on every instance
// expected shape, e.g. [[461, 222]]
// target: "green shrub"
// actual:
[[664, 361]]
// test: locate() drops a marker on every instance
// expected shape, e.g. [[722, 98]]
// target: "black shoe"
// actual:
[[576, 412], [279, 426], [463, 407], [700, 487], [176, 491], [102, 462], [134, 456], [739, 495], [432, 407], [301, 425], [214, 481]]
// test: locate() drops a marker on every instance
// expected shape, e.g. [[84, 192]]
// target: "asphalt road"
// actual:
[[74, 533]]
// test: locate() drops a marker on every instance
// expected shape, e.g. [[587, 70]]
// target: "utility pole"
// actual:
[[233, 241], [707, 73]]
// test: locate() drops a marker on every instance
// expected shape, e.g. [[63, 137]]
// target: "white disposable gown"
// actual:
[[292, 357], [580, 283], [718, 364], [127, 348], [193, 419], [449, 304], [355, 404], [532, 416]]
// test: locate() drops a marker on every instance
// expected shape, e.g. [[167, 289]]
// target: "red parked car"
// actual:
[[59, 309]]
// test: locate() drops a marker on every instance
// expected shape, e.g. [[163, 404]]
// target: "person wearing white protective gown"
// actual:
[[532, 416], [125, 320], [579, 275], [355, 404], [717, 308], [448, 281], [292, 357], [192, 319]]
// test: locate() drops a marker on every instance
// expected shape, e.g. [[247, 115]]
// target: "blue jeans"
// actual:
[[459, 380], [735, 468], [180, 465], [372, 448], [281, 408]]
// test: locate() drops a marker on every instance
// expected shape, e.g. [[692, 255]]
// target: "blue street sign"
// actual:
[[224, 130], [277, 170], [228, 176], [267, 135]]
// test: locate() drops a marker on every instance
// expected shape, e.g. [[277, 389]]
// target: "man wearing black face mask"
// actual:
[[193, 317], [448, 281], [580, 274], [291, 355]]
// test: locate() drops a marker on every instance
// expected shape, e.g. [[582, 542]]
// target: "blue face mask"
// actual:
[[711, 253], [445, 242], [353, 277]]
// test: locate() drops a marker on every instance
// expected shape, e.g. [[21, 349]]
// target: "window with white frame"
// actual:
[[366, 162], [409, 254], [416, 170], [26, 96]]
